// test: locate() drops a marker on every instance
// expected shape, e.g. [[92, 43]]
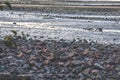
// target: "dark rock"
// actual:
[[14, 23], [8, 76], [1, 49]]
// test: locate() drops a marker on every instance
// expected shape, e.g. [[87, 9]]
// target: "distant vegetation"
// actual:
[[6, 3]]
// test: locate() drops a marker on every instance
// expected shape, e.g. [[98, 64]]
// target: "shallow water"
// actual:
[[61, 26]]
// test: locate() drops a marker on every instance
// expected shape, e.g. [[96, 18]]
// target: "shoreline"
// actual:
[[66, 9], [49, 46], [50, 25]]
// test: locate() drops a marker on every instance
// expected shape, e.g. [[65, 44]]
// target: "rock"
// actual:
[[25, 77], [67, 63], [46, 62], [99, 29], [50, 57], [109, 67], [2, 55], [77, 62], [20, 62], [10, 57], [38, 65], [93, 49], [89, 79], [15, 71], [7, 76], [20, 55], [2, 67], [1, 49], [94, 71], [32, 57], [90, 61], [40, 75], [85, 52], [72, 76], [61, 63], [76, 70], [98, 66], [14, 23], [86, 71], [47, 70], [70, 55], [13, 64], [117, 68], [26, 50], [31, 71], [64, 70], [60, 75], [51, 60], [41, 36], [26, 66], [34, 68]]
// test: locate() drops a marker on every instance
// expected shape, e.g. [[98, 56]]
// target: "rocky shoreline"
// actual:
[[48, 59], [59, 60]]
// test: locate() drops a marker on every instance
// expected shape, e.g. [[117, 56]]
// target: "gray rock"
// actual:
[[26, 66], [99, 66], [25, 77], [13, 64]]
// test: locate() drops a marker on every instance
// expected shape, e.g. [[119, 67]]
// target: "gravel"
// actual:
[[61, 60]]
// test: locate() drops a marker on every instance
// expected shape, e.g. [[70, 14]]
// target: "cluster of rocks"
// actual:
[[60, 60]]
